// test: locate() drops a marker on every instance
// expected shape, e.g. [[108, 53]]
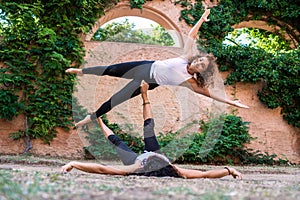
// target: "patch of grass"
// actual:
[[9, 189], [176, 190], [16, 184]]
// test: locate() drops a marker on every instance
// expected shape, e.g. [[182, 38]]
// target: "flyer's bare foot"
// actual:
[[86, 120], [74, 71]]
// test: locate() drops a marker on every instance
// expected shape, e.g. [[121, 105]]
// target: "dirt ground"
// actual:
[[40, 178]]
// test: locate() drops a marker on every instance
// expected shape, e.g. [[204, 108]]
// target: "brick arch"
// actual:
[[262, 24], [150, 11]]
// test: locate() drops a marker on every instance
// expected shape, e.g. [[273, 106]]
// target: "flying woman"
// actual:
[[193, 72], [152, 162]]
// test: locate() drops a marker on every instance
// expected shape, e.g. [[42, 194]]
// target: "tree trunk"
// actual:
[[27, 138]]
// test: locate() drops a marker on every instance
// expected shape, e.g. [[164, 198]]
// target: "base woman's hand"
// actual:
[[66, 168], [235, 174]]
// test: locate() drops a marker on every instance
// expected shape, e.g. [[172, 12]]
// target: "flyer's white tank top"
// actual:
[[171, 71]]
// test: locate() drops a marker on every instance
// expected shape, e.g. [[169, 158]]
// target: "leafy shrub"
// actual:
[[211, 146], [101, 148], [221, 147]]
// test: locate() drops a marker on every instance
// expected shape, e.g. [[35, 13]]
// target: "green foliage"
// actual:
[[266, 58], [234, 134], [256, 38], [8, 188], [214, 145], [112, 29], [278, 72], [161, 36], [125, 32], [39, 40], [9, 105], [251, 157], [100, 147], [137, 3]]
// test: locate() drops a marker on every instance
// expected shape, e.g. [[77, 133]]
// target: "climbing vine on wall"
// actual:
[[39, 40], [279, 71]]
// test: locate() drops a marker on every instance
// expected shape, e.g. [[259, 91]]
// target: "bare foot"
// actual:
[[74, 71], [86, 120]]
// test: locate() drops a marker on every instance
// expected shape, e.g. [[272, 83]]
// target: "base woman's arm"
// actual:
[[99, 169], [216, 173]]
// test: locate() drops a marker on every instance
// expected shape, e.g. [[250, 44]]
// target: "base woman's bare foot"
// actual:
[[86, 120]]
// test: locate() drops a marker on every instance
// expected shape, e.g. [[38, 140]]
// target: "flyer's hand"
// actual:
[[237, 103]]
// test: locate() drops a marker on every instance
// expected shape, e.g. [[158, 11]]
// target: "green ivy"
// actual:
[[137, 3], [39, 41], [9, 105], [279, 70]]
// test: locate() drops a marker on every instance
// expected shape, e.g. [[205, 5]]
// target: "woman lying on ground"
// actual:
[[193, 72], [150, 163]]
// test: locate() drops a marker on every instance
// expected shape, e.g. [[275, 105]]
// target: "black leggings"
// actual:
[[126, 155], [137, 71]]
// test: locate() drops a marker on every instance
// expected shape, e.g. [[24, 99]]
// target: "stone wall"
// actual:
[[173, 107]]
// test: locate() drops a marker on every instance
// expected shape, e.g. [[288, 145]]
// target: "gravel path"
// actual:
[[42, 180]]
